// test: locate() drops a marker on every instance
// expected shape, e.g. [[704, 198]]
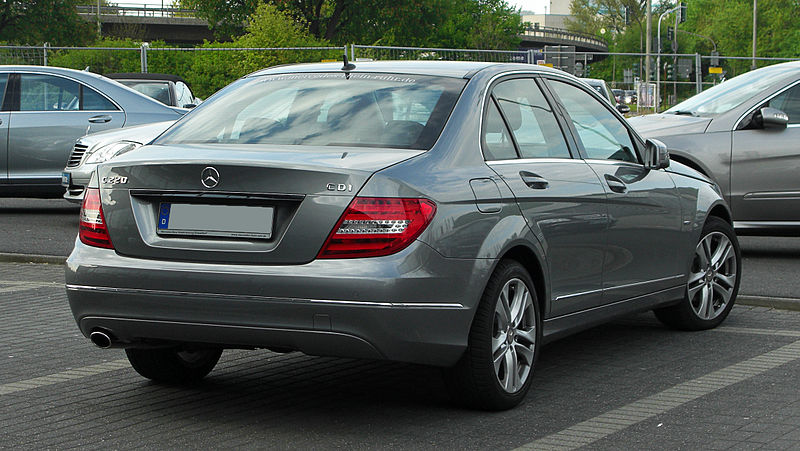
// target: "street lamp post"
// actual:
[[658, 57], [755, 26]]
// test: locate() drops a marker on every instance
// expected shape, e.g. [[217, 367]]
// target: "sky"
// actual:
[[537, 6]]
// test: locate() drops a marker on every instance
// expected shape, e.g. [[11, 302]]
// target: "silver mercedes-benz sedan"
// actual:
[[45, 109], [744, 135], [457, 214]]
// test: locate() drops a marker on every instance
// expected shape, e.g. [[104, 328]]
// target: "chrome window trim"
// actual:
[[135, 291], [532, 160], [119, 108], [613, 162], [767, 99]]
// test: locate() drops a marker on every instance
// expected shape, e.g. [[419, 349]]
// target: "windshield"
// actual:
[[732, 93], [158, 90], [324, 109]]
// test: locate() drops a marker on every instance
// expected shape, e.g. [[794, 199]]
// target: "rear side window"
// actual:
[[533, 123], [93, 101], [325, 109]]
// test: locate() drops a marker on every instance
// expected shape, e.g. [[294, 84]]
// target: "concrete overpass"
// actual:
[[172, 25], [538, 37]]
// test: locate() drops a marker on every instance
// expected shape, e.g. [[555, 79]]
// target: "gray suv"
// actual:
[[743, 134]]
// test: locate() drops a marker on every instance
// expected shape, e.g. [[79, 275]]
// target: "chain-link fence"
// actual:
[[674, 77]]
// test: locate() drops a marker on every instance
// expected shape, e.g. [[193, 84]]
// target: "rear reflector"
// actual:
[[92, 228], [375, 226]]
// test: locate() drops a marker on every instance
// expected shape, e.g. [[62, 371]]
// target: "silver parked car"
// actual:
[[743, 134], [91, 150], [605, 92], [45, 109], [457, 214]]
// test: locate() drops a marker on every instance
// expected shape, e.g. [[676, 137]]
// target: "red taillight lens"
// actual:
[[375, 226], [92, 228]]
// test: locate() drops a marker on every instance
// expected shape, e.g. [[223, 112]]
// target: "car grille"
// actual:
[[76, 155]]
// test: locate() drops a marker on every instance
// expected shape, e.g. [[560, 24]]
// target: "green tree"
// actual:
[[38, 21]]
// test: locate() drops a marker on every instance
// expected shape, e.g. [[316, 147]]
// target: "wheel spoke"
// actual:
[[499, 358], [498, 342], [721, 253], [725, 280], [525, 353], [724, 292], [503, 308], [704, 252], [511, 370], [528, 336], [708, 294], [695, 277], [694, 288]]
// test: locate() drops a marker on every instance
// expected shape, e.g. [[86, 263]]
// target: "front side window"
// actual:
[[325, 109], [789, 102], [531, 119], [48, 93], [603, 135]]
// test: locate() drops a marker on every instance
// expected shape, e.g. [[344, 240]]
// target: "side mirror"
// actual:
[[656, 155], [622, 108], [768, 117], [189, 105]]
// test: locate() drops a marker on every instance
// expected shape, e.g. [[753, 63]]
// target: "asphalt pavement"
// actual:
[[628, 385]]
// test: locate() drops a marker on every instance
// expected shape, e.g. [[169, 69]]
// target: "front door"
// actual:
[[560, 196], [765, 186], [645, 219]]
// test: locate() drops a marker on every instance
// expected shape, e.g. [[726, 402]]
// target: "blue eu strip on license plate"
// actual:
[[65, 179], [163, 215]]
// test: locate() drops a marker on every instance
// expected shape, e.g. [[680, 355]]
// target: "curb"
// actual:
[[7, 257], [771, 302]]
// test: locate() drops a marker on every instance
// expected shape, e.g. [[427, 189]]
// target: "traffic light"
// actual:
[[588, 70], [636, 69], [670, 71], [670, 33], [682, 13]]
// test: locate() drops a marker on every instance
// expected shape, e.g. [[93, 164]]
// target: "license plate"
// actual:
[[65, 179], [236, 221]]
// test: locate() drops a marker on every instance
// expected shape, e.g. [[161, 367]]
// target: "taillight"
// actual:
[[375, 226], [92, 228]]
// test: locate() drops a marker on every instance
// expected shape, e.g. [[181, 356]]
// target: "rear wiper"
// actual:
[[684, 112]]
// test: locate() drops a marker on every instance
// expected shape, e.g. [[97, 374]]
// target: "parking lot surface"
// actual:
[[631, 384]]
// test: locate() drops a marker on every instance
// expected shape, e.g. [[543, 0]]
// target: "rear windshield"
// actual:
[[324, 109], [158, 90]]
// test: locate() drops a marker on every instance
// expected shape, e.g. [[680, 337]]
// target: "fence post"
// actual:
[[143, 56], [530, 56], [44, 52], [698, 72], [352, 52]]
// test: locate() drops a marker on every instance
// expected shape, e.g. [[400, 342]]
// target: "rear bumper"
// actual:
[[414, 306]]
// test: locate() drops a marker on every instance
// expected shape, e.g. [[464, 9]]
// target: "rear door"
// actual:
[[560, 196], [764, 163], [51, 112], [645, 219]]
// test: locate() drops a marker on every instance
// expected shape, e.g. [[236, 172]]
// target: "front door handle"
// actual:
[[534, 181], [102, 119], [615, 184]]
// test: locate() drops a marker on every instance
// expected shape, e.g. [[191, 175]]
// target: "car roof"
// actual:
[[457, 69]]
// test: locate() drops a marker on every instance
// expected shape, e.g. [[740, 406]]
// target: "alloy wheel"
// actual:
[[513, 335], [713, 275]]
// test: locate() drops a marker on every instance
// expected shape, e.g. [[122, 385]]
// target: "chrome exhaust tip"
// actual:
[[101, 339]]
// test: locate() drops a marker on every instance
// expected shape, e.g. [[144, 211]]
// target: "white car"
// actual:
[[96, 148]]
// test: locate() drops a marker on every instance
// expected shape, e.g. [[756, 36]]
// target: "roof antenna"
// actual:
[[348, 66]]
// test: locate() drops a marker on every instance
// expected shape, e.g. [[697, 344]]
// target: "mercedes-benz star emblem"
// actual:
[[209, 177]]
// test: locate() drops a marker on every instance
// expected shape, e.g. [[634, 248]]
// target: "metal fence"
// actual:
[[431, 53]]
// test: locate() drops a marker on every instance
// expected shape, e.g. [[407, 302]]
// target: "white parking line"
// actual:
[[601, 426], [63, 376]]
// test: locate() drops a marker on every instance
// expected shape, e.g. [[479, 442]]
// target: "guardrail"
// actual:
[[138, 10], [560, 33]]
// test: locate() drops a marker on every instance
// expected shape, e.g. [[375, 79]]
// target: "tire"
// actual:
[[499, 349], [713, 283], [182, 365]]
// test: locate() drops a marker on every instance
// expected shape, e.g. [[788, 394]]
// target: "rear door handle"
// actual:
[[102, 119], [534, 181], [616, 185]]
